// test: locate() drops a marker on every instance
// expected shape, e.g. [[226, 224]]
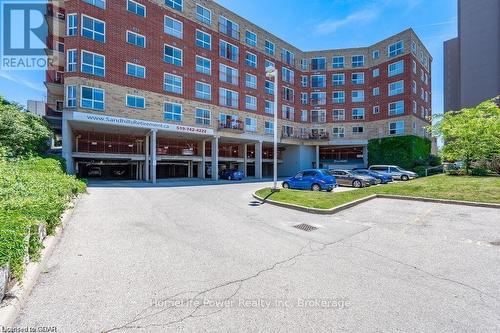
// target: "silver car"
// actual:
[[395, 171]]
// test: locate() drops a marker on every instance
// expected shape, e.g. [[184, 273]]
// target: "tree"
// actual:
[[470, 134], [21, 133]]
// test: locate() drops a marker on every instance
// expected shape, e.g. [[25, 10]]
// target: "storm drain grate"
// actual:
[[495, 243], [305, 227]]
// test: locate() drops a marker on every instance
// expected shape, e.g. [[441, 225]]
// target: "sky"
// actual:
[[316, 25]]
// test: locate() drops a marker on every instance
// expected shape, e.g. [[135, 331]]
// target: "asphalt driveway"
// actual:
[[208, 258]]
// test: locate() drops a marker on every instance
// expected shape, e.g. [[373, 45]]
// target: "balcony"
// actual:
[[232, 125], [229, 31], [318, 101], [322, 136]]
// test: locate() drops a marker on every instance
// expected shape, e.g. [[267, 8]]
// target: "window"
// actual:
[[414, 107], [426, 96], [251, 102], [358, 114], [228, 51], [303, 115], [422, 75], [304, 64], [172, 111], [338, 114], [71, 96], [98, 3], [288, 94], [203, 14], [413, 47], [376, 91], [228, 98], [93, 63], [251, 60], [228, 74], [288, 112], [72, 25], [304, 81], [268, 64], [395, 49], [250, 124], [376, 109], [318, 116], [304, 98], [172, 55], [397, 128], [414, 127], [136, 70], [92, 98], [287, 131], [396, 68], [172, 83], [269, 47], [136, 8], [71, 61], [175, 4], [59, 47], [358, 129], [426, 79], [357, 96], [269, 107], [288, 75], [422, 93], [203, 65], [174, 27], [358, 78], [338, 62], [396, 108], [203, 91], [338, 97], [203, 117], [250, 81], [318, 64], [338, 79], [396, 88], [250, 38], [203, 40], [93, 29], [338, 132], [318, 81], [318, 98], [414, 67], [414, 87], [376, 72], [269, 127], [269, 87], [136, 39], [288, 57], [229, 27], [376, 54], [358, 61], [133, 101]]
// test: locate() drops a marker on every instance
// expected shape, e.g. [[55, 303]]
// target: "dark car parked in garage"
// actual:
[[349, 178], [383, 177]]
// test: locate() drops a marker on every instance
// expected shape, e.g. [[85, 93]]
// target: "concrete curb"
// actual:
[[351, 204], [10, 309]]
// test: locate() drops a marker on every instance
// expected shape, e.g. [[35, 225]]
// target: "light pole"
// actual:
[[272, 72]]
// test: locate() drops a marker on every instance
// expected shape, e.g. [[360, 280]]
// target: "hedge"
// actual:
[[403, 151]]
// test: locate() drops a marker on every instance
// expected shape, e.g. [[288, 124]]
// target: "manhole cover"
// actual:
[[495, 243], [305, 227]]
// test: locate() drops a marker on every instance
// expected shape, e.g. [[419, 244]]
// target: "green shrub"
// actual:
[[14, 228], [479, 172], [494, 163], [435, 160], [420, 170], [399, 150]]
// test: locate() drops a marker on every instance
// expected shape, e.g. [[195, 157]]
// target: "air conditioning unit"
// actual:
[[61, 16]]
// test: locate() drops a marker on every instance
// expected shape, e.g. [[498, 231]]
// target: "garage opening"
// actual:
[[109, 170], [166, 170]]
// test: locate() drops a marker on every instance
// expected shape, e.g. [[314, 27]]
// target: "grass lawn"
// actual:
[[478, 189]]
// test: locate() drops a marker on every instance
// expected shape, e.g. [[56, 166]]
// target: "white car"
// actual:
[[395, 171]]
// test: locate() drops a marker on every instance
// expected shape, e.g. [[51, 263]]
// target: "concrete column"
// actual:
[[258, 160], [153, 156], [67, 146], [215, 158], [147, 163], [201, 165], [245, 159], [317, 156], [365, 156]]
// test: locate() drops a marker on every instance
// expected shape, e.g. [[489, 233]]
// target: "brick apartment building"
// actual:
[[153, 89]]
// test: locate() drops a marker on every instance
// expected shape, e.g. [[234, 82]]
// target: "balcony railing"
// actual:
[[232, 125], [229, 31], [306, 136], [318, 101]]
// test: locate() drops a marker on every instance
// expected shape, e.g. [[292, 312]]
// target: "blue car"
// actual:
[[383, 177], [231, 174], [311, 179]]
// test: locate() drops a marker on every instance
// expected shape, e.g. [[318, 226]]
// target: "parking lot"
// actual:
[[210, 258]]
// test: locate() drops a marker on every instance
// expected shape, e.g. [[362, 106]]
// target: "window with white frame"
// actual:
[[288, 57], [426, 96], [136, 70], [414, 87], [358, 129], [172, 111], [422, 113], [318, 63], [172, 55], [93, 29], [426, 79], [71, 25], [228, 98], [269, 47], [134, 101], [269, 87], [203, 14], [71, 60], [269, 107], [396, 68], [288, 112], [136, 39], [375, 54], [422, 75], [288, 94], [414, 107], [338, 79], [396, 108], [288, 75], [250, 38], [358, 61], [98, 3], [304, 81], [251, 60], [228, 74], [92, 98], [172, 83], [318, 81], [376, 91], [357, 96], [338, 132], [173, 27], [414, 67], [395, 49], [228, 51], [318, 98], [269, 127], [93, 63], [203, 65], [338, 62], [136, 8], [318, 116], [413, 47], [338, 97], [228, 27], [175, 4], [422, 94], [203, 91], [376, 72], [303, 115], [376, 109], [71, 96], [203, 117], [358, 78], [338, 114], [250, 81], [250, 124], [414, 127], [396, 88], [358, 114], [287, 131], [250, 102], [268, 63], [304, 64], [203, 39], [397, 127], [304, 98]]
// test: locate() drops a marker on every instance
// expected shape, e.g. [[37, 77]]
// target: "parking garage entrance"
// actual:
[[109, 169]]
